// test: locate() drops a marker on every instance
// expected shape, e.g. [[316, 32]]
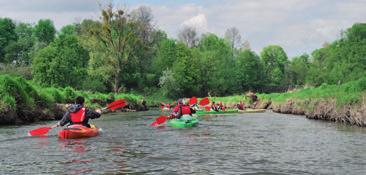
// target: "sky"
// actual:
[[299, 26]]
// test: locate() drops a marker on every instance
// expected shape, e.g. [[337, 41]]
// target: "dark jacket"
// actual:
[[89, 114]]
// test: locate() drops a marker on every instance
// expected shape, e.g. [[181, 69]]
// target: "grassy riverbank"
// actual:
[[22, 101], [340, 103]]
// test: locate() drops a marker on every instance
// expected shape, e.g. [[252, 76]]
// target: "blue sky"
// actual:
[[299, 26]]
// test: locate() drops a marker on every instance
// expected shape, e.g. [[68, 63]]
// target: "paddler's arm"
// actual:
[[93, 114]]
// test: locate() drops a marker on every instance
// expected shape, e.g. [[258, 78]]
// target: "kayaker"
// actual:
[[214, 107], [241, 105], [180, 110], [221, 107], [78, 114]]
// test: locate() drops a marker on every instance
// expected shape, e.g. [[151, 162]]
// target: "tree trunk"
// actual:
[[117, 84]]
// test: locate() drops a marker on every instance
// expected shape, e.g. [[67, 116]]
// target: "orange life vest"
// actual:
[[78, 117]]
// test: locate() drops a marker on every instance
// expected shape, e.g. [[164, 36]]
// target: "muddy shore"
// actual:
[[317, 109]]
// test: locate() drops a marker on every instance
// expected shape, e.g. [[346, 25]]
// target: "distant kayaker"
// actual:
[[78, 114], [181, 109], [241, 105], [214, 107]]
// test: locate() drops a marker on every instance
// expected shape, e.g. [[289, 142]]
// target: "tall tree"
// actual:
[[275, 60], [248, 71], [7, 35], [233, 36], [45, 31], [116, 38], [188, 35], [62, 63], [20, 51]]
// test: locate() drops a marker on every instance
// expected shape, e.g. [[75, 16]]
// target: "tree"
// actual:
[[45, 31], [299, 68], [275, 60], [249, 71], [233, 36], [216, 65], [7, 35], [62, 63], [188, 35], [20, 51], [115, 38]]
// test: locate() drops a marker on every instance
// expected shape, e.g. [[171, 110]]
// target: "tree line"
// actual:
[[126, 52]]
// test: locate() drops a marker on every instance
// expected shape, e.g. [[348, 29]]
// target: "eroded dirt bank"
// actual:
[[328, 110]]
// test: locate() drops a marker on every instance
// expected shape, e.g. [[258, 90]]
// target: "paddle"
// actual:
[[192, 101], [160, 120], [205, 101], [44, 130], [116, 104]]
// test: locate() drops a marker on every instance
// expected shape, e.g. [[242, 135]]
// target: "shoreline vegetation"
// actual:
[[124, 55], [23, 102]]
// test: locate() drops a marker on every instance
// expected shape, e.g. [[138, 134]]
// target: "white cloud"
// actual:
[[297, 25], [199, 22]]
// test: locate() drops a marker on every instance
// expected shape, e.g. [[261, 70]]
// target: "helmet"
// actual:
[[180, 101]]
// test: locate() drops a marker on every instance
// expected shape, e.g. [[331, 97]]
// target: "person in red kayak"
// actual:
[[180, 110], [78, 114]]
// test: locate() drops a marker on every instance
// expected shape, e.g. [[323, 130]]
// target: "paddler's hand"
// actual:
[[98, 111], [56, 125]]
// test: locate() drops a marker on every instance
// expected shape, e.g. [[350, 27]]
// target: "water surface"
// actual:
[[256, 143]]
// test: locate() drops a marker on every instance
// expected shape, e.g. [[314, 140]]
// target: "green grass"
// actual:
[[348, 93], [18, 92]]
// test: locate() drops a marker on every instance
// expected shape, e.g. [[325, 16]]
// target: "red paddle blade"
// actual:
[[192, 101], [39, 131], [161, 119], [204, 101], [117, 104], [158, 121], [154, 124], [208, 108]]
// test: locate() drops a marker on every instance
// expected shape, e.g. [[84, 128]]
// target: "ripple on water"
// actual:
[[265, 143]]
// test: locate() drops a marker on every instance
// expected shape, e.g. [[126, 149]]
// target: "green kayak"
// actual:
[[184, 122], [214, 112]]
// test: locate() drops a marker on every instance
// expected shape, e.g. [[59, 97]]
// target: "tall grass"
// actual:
[[17, 92], [348, 93]]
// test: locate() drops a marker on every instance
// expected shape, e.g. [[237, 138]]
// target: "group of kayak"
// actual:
[[183, 115]]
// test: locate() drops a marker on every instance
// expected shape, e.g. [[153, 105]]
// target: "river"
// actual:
[[257, 143]]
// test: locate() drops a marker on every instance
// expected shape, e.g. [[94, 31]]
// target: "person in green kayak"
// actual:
[[181, 109], [78, 114]]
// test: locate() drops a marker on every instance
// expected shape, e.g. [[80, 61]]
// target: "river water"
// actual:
[[259, 143]]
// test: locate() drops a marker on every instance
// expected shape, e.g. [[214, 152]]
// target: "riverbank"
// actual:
[[344, 103], [23, 102]]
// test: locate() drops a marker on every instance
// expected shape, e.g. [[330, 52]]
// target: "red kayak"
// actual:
[[78, 131]]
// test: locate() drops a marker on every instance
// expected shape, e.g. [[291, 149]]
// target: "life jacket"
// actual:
[[78, 117], [186, 110]]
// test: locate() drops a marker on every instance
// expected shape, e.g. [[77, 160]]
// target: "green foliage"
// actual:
[[62, 63], [275, 60], [45, 31], [19, 52], [249, 71], [348, 93], [12, 93], [7, 35]]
